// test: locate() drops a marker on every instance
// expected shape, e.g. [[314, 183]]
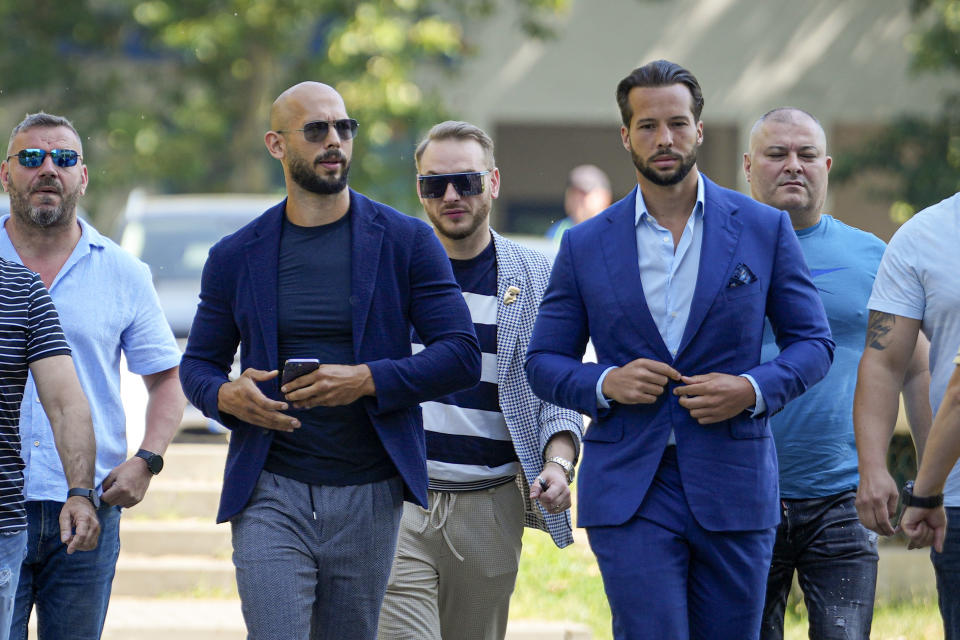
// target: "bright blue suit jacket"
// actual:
[[729, 469], [400, 277]]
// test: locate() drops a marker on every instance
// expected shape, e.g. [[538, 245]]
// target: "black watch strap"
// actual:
[[924, 502], [154, 460], [89, 494]]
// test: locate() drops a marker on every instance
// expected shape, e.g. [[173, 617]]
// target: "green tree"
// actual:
[[175, 94], [921, 156]]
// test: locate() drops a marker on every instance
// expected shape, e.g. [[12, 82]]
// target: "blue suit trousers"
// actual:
[[667, 577]]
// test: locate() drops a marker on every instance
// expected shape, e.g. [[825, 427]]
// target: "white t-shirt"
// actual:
[[919, 278]]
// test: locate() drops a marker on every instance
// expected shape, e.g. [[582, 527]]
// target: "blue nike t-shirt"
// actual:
[[814, 433]]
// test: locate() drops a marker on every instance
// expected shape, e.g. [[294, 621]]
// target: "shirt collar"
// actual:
[[89, 236], [643, 214]]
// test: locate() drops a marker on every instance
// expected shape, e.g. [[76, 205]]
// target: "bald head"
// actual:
[[290, 106], [315, 159], [788, 116]]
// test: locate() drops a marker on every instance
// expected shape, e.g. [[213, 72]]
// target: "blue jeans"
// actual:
[[13, 546], [836, 562], [313, 561], [71, 592], [946, 565]]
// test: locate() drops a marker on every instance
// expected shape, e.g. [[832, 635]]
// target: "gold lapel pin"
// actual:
[[511, 295]]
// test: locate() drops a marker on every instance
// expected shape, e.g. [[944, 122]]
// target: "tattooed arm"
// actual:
[[891, 342]]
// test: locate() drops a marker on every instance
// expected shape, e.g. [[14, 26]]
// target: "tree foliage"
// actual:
[[921, 155], [175, 94]]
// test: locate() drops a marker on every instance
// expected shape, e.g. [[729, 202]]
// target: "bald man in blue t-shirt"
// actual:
[[820, 535]]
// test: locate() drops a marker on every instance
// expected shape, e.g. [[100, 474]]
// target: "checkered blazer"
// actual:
[[531, 421]]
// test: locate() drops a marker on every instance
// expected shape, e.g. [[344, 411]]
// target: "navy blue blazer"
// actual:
[[400, 277], [729, 469]]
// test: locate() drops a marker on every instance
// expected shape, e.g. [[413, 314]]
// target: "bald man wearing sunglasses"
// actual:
[[319, 464], [498, 457]]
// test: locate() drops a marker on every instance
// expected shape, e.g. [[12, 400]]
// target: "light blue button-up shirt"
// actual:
[[107, 304], [669, 278]]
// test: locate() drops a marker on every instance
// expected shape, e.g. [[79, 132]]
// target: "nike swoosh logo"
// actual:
[[821, 272]]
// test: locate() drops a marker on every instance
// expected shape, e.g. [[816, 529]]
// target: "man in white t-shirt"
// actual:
[[917, 288]]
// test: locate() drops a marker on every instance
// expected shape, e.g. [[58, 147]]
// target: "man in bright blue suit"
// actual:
[[318, 465], [678, 483]]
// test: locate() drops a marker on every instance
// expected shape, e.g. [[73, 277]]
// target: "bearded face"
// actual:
[[45, 203], [317, 179]]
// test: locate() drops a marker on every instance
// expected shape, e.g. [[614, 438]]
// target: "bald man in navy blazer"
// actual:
[[678, 483], [319, 464]]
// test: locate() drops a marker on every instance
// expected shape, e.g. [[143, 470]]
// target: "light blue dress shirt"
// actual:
[[107, 304], [669, 278]]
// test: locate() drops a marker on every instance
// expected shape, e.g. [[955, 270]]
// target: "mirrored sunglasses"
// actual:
[[34, 157], [466, 184], [317, 131]]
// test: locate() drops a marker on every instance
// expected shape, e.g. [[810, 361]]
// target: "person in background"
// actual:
[[587, 194]]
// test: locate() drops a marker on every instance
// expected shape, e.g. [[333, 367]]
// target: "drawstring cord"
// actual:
[[443, 502]]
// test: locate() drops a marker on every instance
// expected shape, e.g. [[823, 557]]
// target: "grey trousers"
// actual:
[[312, 561], [456, 567]]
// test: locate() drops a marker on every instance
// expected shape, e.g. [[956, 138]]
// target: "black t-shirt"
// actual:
[[334, 445]]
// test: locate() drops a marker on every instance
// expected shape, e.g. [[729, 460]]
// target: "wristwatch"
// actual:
[[567, 466], [154, 460], [89, 494], [924, 502]]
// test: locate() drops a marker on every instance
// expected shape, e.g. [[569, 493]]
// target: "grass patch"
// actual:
[[560, 584]]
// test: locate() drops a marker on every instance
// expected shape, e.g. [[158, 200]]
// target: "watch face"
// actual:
[[155, 464], [154, 460]]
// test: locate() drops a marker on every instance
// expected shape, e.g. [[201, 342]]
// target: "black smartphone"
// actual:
[[296, 367]]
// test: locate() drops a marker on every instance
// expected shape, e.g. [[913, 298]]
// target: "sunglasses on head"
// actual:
[[466, 184], [34, 157], [317, 131]]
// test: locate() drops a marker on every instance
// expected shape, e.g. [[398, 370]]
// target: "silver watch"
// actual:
[[567, 467]]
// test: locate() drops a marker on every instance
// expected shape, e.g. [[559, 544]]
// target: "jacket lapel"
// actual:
[[367, 238], [262, 254], [721, 232], [620, 254], [508, 315]]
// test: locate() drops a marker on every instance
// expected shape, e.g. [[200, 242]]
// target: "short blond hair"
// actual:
[[457, 130]]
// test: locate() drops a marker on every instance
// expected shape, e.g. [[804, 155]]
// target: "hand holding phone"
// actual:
[[295, 367]]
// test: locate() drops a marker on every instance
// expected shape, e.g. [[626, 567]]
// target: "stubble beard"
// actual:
[[44, 216], [477, 218]]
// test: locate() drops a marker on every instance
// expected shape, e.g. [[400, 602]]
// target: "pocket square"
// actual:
[[741, 276]]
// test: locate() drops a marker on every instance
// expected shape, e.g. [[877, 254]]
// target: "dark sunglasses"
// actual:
[[317, 131], [34, 157], [466, 184]]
